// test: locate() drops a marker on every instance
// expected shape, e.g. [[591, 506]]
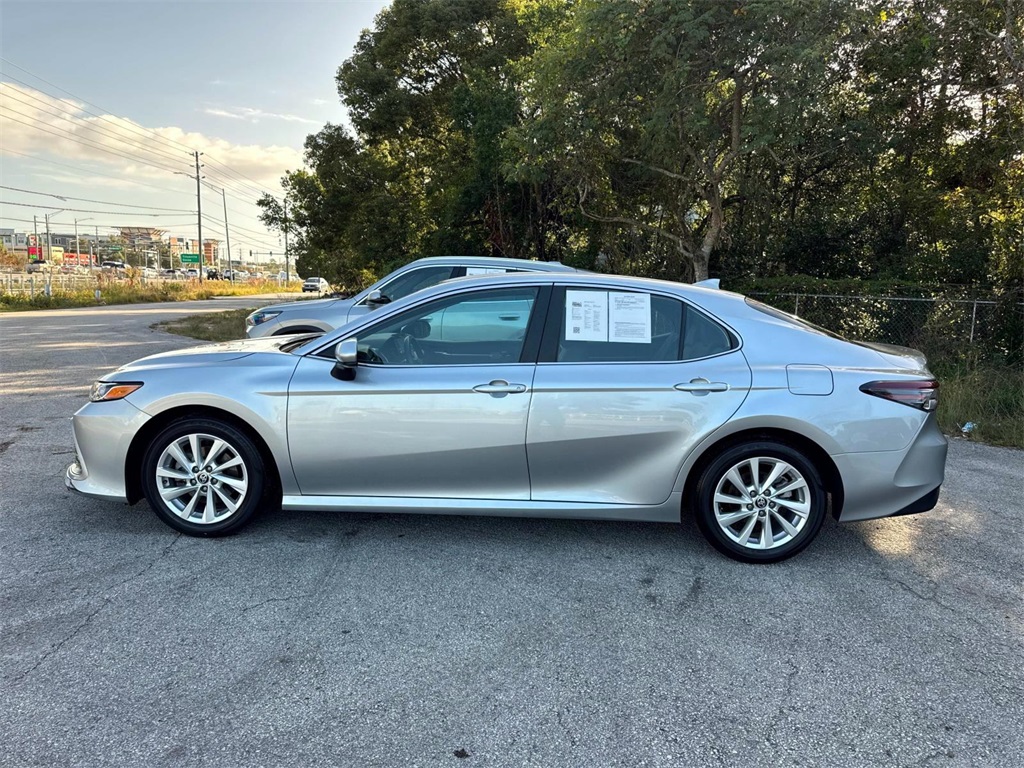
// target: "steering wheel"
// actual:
[[402, 348]]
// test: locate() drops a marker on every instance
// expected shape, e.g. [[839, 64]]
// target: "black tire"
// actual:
[[222, 487], [783, 508]]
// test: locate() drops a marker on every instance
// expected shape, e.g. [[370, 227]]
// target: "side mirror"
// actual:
[[376, 297], [346, 353]]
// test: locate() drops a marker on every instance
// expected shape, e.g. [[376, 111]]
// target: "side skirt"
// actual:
[[667, 512]]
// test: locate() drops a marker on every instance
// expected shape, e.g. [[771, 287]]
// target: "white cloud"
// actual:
[[34, 123], [254, 115]]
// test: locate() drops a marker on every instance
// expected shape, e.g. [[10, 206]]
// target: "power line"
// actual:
[[84, 142], [74, 210], [258, 187], [92, 172], [101, 202], [160, 225], [132, 142], [241, 193], [95, 106]]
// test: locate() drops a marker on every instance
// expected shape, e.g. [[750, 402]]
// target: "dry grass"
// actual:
[[992, 398], [127, 292], [209, 326]]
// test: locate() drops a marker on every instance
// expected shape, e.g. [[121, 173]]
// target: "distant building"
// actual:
[[211, 250], [141, 238], [180, 245], [12, 240]]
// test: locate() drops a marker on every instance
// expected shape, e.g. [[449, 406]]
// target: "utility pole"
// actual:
[[49, 248], [35, 227], [227, 232], [287, 271], [199, 220], [94, 260]]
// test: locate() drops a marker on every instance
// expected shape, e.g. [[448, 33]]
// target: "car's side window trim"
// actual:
[[531, 339], [548, 354], [383, 288]]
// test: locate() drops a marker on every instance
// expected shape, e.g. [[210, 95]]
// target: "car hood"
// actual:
[[207, 354], [314, 305]]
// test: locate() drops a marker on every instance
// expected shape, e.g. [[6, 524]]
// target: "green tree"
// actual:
[[650, 109]]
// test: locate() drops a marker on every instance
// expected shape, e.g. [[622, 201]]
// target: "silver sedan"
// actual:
[[540, 395]]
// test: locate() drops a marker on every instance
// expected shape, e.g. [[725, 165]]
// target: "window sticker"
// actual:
[[483, 270], [629, 318], [586, 316]]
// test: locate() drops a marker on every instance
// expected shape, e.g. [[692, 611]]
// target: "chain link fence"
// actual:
[[956, 331]]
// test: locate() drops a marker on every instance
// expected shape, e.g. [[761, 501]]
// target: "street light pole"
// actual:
[[199, 220], [227, 232], [78, 247]]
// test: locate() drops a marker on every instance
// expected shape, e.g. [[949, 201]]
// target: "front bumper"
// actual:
[[886, 483], [103, 434]]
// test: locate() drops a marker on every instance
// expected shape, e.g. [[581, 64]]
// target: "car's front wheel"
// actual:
[[760, 502], [203, 477]]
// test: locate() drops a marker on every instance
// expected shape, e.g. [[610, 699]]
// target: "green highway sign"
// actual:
[[114, 248], [190, 258]]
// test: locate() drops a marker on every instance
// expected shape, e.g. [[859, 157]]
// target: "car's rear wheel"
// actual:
[[760, 502], [203, 477]]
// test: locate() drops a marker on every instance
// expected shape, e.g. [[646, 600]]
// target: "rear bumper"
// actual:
[[885, 483]]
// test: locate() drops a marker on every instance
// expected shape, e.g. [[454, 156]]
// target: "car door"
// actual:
[[627, 383], [428, 414], [401, 285]]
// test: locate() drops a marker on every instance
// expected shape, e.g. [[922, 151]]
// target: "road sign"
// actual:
[[190, 258], [114, 248]]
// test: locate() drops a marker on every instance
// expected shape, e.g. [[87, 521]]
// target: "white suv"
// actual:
[[327, 314], [315, 285]]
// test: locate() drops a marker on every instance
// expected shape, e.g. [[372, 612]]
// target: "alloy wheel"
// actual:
[[762, 503], [201, 478]]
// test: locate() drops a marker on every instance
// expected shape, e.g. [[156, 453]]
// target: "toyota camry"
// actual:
[[557, 394]]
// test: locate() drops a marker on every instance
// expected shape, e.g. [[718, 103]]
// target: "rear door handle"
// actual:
[[509, 317], [702, 386], [500, 387]]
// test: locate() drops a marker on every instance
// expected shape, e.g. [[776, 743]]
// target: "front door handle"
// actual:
[[702, 386], [500, 387]]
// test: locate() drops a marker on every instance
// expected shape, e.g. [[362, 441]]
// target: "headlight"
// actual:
[[112, 390], [256, 318]]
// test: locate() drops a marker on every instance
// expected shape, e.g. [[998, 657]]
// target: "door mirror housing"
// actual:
[[378, 298], [346, 353]]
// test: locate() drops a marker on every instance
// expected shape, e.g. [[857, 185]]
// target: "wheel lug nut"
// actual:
[[192, 481], [208, 468], [750, 506]]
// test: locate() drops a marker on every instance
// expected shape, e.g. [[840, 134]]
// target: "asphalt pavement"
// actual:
[[335, 639]]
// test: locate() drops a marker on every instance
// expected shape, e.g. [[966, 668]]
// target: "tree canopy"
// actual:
[[676, 138]]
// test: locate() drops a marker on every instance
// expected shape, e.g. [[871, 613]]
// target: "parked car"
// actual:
[[212, 274], [192, 273], [326, 314], [110, 264], [35, 267], [315, 285], [149, 272], [172, 273], [537, 395]]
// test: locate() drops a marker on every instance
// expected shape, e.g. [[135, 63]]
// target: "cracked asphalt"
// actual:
[[358, 640]]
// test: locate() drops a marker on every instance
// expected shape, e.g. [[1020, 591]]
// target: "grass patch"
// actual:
[[209, 326], [128, 292], [990, 397]]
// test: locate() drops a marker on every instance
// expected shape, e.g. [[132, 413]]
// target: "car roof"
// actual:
[[492, 261]]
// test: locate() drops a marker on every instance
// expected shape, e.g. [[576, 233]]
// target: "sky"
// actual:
[[104, 101]]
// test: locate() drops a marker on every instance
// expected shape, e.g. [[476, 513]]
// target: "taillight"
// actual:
[[922, 394]]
